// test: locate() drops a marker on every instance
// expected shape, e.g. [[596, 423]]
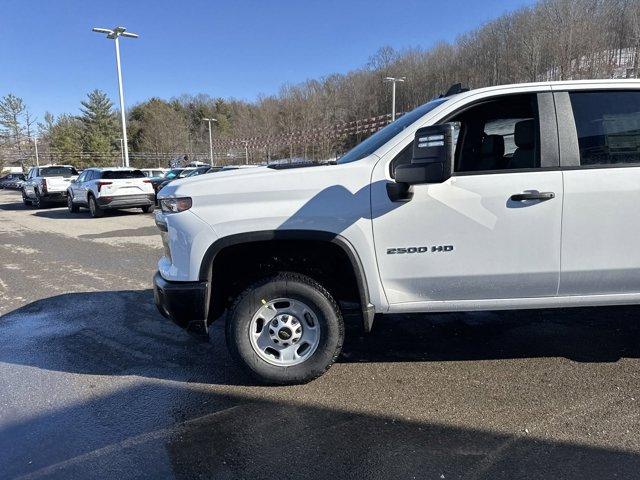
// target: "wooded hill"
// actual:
[[320, 118]]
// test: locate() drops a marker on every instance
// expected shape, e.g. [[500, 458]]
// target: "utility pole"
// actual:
[[246, 152], [209, 120], [393, 81], [35, 144], [114, 35]]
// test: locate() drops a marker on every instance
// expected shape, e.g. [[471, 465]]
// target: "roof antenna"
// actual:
[[455, 89]]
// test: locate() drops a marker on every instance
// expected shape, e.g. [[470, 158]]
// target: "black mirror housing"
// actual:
[[415, 174], [433, 154]]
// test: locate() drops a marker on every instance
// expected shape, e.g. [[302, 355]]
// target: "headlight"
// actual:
[[175, 205]]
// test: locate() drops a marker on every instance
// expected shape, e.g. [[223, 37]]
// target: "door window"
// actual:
[[499, 134], [608, 127]]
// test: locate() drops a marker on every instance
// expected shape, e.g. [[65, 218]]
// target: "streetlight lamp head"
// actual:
[[102, 30], [116, 32]]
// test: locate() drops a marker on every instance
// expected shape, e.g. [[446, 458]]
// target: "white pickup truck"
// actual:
[[509, 197], [47, 184]]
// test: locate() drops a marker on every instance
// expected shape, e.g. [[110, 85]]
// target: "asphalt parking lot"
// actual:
[[94, 383]]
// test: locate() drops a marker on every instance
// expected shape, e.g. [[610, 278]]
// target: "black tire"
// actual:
[[298, 287], [148, 208], [25, 200], [94, 208], [73, 208], [37, 202]]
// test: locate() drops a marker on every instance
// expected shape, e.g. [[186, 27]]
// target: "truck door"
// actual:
[[600, 154], [492, 231]]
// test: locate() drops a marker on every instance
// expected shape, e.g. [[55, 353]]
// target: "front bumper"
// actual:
[[185, 303], [127, 201]]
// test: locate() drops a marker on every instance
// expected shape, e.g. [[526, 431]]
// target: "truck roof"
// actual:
[[554, 85], [49, 165], [114, 169]]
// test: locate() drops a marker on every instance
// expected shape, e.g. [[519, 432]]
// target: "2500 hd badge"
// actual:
[[434, 249]]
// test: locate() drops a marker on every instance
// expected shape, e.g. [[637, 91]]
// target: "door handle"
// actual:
[[542, 196]]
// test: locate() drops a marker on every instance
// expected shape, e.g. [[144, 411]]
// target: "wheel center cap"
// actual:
[[284, 333]]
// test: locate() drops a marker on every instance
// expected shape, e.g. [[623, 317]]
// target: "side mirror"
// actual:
[[433, 153]]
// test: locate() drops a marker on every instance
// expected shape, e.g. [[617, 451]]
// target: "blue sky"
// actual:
[[241, 49]]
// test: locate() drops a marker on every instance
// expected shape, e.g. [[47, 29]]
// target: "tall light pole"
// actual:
[[209, 120], [393, 81], [115, 34], [122, 151]]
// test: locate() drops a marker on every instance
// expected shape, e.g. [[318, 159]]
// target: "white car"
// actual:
[[508, 197], [47, 184], [154, 172], [101, 189]]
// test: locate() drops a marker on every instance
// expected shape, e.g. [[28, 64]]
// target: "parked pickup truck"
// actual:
[[510, 197], [47, 184]]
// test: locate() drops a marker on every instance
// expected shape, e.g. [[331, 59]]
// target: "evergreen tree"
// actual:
[[66, 140], [100, 129]]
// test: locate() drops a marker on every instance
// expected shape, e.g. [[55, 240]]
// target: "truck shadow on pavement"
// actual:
[[604, 334], [183, 410], [121, 333], [13, 206], [169, 431]]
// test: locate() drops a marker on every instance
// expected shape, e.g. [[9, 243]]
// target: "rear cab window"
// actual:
[[121, 174], [607, 126], [58, 172]]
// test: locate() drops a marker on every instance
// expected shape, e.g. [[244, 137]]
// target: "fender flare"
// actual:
[[368, 310]]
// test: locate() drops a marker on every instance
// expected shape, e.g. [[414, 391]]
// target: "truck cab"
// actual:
[[507, 197]]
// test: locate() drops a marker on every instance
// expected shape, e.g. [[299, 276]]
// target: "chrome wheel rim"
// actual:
[[284, 332]]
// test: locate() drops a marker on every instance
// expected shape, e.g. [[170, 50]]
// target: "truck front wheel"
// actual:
[[285, 329]]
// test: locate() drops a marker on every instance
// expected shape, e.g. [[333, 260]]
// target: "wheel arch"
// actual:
[[368, 311]]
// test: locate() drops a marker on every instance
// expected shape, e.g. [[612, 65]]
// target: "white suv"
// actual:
[[101, 189], [508, 197]]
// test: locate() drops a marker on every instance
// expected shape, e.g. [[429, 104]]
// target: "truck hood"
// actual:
[[325, 197], [248, 180]]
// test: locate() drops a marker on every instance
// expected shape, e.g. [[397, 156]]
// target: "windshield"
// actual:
[[185, 172], [171, 174], [58, 172], [198, 171], [378, 139]]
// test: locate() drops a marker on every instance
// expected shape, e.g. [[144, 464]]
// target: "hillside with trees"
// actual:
[[321, 118]]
